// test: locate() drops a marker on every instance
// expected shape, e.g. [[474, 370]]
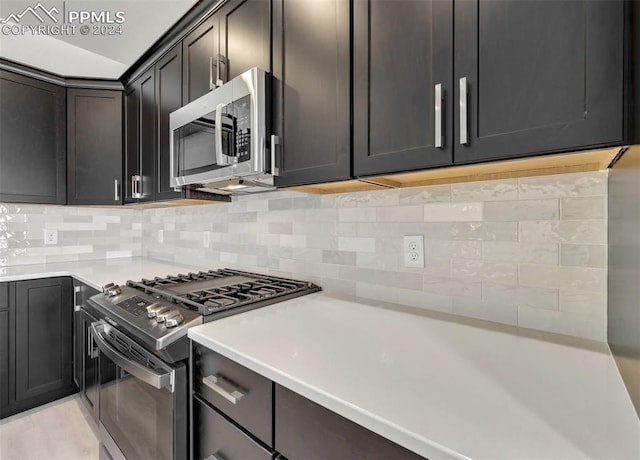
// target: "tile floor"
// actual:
[[60, 430]]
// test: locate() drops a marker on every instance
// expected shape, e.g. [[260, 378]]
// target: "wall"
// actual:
[[624, 269], [530, 252], [83, 233]]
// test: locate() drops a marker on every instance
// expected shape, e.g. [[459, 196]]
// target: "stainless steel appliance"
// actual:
[[141, 335], [219, 141]]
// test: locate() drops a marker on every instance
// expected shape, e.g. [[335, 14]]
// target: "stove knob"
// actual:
[[111, 290], [173, 319], [152, 310], [162, 314]]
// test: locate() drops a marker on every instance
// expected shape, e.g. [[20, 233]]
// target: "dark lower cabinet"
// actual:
[[32, 140], [306, 430], [94, 146], [5, 340], [40, 343], [403, 94], [85, 354], [311, 90], [538, 77]]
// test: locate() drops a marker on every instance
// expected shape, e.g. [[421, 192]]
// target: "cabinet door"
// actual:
[[402, 51], [306, 430], [311, 101], [94, 146], [43, 362], [89, 356], [245, 36], [5, 346], [200, 53], [169, 98], [540, 77], [147, 135], [32, 140], [132, 144]]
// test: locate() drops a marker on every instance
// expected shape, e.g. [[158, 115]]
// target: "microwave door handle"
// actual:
[[155, 379], [221, 158]]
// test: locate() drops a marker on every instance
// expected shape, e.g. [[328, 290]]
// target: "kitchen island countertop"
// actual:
[[440, 386]]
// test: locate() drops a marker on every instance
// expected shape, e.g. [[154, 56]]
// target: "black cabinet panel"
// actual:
[[32, 140], [215, 436], [402, 50], [169, 98], [132, 144], [4, 296], [541, 76], [311, 94], [94, 141], [245, 36], [43, 363], [306, 430], [200, 52], [85, 353], [5, 350]]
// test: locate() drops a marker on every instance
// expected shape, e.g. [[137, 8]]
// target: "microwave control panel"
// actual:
[[243, 128]]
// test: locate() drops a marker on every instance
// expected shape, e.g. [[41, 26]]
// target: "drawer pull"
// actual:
[[225, 388]]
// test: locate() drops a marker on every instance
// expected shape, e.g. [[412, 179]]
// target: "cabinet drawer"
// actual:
[[241, 394], [4, 296], [308, 431], [215, 437]]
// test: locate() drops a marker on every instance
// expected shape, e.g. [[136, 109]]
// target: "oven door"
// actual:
[[143, 405]]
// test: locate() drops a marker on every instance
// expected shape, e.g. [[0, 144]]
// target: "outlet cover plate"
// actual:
[[413, 250], [50, 236]]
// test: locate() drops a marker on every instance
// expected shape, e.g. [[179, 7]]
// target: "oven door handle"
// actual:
[[155, 379]]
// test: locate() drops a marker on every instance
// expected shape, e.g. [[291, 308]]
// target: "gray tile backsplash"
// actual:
[[529, 252]]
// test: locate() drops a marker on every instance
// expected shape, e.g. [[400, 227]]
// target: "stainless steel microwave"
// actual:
[[218, 141]]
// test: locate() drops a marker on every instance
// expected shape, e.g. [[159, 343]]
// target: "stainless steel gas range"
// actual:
[[141, 335]]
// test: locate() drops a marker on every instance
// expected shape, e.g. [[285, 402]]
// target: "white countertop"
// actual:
[[444, 389], [97, 273]]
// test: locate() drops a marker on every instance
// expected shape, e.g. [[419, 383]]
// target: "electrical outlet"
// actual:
[[160, 236], [50, 236], [206, 239], [413, 248]]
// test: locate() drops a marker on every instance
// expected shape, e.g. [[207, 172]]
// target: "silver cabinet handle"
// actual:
[[211, 82], [215, 382], [464, 134], [220, 59], [438, 116], [116, 190], [133, 186], [136, 186], [76, 290], [275, 159]]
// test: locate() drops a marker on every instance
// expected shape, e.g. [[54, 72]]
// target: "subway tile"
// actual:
[[520, 295], [452, 212], [280, 204], [389, 197], [521, 210], [559, 277], [594, 207], [280, 227], [425, 300], [513, 251], [583, 302], [339, 257], [486, 231], [561, 322], [452, 286], [294, 241], [584, 255], [421, 195], [564, 231], [506, 272], [563, 185], [435, 249], [400, 214], [496, 190], [486, 310], [356, 214], [356, 244]]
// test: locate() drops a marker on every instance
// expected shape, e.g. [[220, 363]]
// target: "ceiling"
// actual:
[[59, 46]]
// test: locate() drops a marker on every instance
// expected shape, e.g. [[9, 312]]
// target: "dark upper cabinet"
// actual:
[[168, 74], [311, 95], [403, 95], [245, 37], [200, 57], [94, 146], [540, 77], [32, 140], [140, 141], [43, 341]]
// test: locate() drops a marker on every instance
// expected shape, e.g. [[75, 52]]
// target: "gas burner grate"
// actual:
[[210, 295]]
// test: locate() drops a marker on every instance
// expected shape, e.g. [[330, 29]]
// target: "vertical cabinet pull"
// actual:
[[211, 82], [438, 116], [116, 190], [220, 78], [275, 159], [464, 133], [136, 186]]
